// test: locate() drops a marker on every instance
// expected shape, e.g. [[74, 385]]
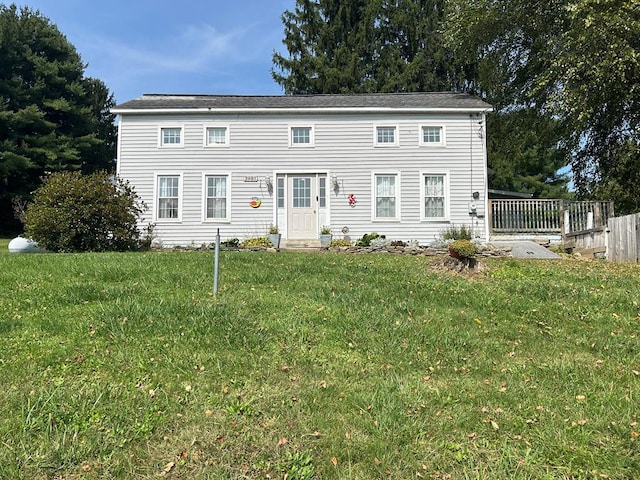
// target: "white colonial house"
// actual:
[[404, 165]]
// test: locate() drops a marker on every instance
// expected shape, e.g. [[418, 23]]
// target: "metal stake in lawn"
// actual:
[[216, 261]]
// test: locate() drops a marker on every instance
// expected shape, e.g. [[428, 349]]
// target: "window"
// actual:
[[216, 197], [434, 188], [301, 192], [168, 197], [386, 136], [216, 136], [432, 135], [280, 191], [301, 136], [322, 192], [386, 196], [171, 137]]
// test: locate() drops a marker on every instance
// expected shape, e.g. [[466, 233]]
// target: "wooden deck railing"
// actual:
[[548, 216]]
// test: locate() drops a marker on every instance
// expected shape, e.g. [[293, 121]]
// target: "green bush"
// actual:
[[72, 212], [340, 242], [464, 248], [454, 232], [256, 242], [231, 243], [365, 241]]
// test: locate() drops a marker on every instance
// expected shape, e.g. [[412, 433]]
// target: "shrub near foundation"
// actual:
[[463, 248], [72, 212]]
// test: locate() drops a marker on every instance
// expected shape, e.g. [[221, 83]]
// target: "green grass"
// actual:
[[316, 366]]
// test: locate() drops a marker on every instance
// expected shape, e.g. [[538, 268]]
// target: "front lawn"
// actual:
[[316, 366]]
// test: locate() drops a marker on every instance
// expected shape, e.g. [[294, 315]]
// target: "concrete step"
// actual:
[[288, 244]]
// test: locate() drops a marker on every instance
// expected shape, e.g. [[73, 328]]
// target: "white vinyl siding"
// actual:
[[301, 136], [386, 191], [434, 191], [385, 136], [171, 137], [432, 136], [216, 136], [343, 150], [168, 197], [217, 198]]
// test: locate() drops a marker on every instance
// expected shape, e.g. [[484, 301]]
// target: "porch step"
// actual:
[[300, 244]]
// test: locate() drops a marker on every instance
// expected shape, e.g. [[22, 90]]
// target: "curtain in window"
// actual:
[[216, 197], [168, 197], [386, 196], [434, 196]]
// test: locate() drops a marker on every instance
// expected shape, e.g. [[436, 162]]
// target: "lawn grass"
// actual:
[[316, 366]]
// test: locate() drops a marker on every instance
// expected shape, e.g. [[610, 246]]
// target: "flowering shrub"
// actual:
[[464, 248]]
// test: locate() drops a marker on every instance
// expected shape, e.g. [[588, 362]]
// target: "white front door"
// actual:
[[302, 221]]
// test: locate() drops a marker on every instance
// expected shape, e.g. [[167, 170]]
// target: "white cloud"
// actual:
[[192, 50]]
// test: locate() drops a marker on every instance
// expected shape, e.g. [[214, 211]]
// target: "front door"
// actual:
[[302, 221]]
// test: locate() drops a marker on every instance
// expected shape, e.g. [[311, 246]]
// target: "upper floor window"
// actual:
[[301, 136], [171, 136], [386, 135], [168, 197], [216, 136], [432, 135]]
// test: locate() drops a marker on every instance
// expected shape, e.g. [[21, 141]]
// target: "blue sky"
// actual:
[[161, 46]]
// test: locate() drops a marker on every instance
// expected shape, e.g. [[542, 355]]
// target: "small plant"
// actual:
[[298, 466], [398, 243], [325, 230], [463, 249], [256, 242], [231, 243], [365, 240], [379, 242], [454, 232], [340, 242], [273, 229]]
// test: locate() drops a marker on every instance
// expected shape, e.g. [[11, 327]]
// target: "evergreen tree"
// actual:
[[356, 46], [52, 118]]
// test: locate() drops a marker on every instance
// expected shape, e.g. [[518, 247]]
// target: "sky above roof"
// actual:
[[162, 46]]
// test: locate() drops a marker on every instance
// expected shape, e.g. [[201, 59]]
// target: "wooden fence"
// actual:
[[548, 216], [624, 239]]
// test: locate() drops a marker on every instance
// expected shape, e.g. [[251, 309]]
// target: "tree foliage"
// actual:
[[72, 212], [359, 46], [577, 61], [52, 118]]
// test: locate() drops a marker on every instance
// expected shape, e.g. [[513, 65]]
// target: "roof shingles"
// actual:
[[430, 100]]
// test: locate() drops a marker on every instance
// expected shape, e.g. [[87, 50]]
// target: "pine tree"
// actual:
[[52, 118]]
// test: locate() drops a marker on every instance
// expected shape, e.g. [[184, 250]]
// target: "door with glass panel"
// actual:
[[302, 221]]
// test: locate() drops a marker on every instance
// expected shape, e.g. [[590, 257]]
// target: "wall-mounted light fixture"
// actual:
[[268, 183], [335, 184]]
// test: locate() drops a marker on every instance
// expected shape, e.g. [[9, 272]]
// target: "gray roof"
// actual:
[[410, 101]]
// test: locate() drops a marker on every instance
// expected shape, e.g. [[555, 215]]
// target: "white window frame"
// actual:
[[447, 193], [311, 129], [396, 135], [156, 198], [161, 143], [443, 138], [227, 217], [217, 126], [374, 196]]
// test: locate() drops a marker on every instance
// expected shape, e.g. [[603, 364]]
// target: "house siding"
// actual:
[[343, 146]]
